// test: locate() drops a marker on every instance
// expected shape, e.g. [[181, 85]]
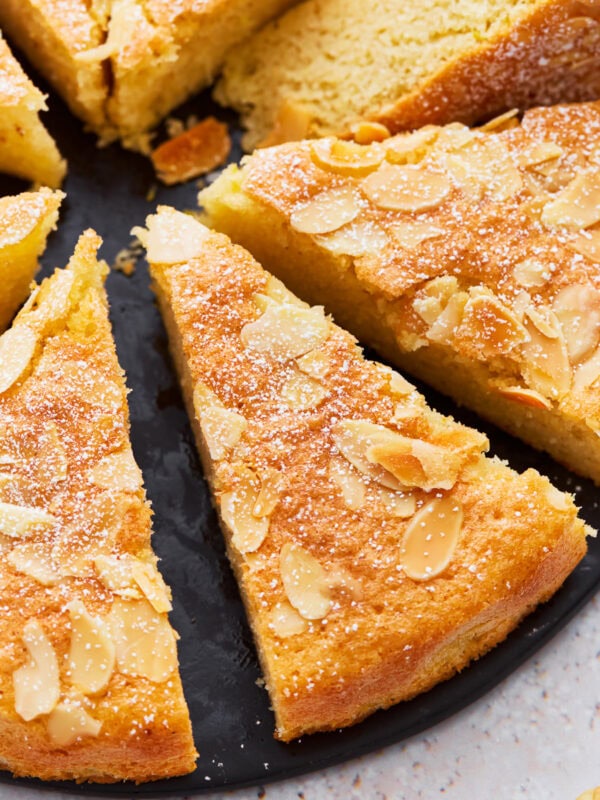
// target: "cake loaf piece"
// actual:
[[377, 549], [122, 66], [26, 148], [25, 222], [89, 684], [470, 258], [327, 63]]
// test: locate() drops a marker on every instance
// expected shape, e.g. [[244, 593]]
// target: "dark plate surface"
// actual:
[[107, 190]]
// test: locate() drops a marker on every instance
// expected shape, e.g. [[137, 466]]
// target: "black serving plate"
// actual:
[[107, 189]]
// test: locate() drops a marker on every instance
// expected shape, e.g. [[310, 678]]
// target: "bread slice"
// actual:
[[469, 258], [26, 148], [377, 550], [25, 222], [122, 66], [89, 684], [327, 63]]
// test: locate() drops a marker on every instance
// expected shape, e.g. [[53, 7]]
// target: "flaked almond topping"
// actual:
[[587, 243], [544, 319], [116, 574], [92, 652], [358, 238], [37, 682], [237, 510], [304, 581], [287, 331], [18, 521], [144, 641], [430, 538], [410, 148], [222, 429], [301, 392], [502, 122], [577, 205], [17, 346], [117, 471], [69, 722], [446, 323], [527, 397], [315, 363], [52, 456], [53, 300], [485, 162], [292, 123], [33, 559], [395, 504], [540, 154], [279, 292], [327, 211], [490, 327], [153, 587], [399, 386], [346, 158], [405, 188], [349, 482], [587, 373], [367, 132], [558, 500], [416, 463], [411, 234], [546, 368], [271, 486], [577, 309], [353, 437], [453, 137], [172, 237], [531, 272], [286, 621]]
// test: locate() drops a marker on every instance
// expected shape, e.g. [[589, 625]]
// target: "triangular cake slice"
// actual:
[[25, 222], [89, 684], [377, 549], [26, 148], [470, 258]]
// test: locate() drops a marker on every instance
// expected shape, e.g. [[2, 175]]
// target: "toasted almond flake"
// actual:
[[287, 331], [410, 148], [416, 463], [349, 482], [271, 486], [531, 272], [193, 152], [485, 162], [172, 237], [301, 392], [452, 138], [544, 319], [304, 581], [53, 300], [237, 510], [17, 347], [353, 438], [222, 429], [558, 500], [117, 471], [577, 308], [395, 504], [443, 329], [327, 211], [430, 538], [358, 238], [286, 621], [488, 327], [153, 587], [278, 291], [399, 386], [546, 369], [346, 158], [144, 641], [69, 722], [411, 234], [37, 682], [405, 188], [527, 397], [540, 154], [502, 122], [91, 653], [587, 373], [33, 559], [577, 205], [116, 574], [291, 124], [367, 132], [315, 363], [587, 243], [18, 521]]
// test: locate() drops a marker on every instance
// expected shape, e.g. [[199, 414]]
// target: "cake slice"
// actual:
[[89, 684], [326, 64], [376, 548], [471, 258], [25, 222], [26, 148], [122, 66]]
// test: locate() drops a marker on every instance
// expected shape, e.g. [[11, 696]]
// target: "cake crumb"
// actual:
[[192, 152]]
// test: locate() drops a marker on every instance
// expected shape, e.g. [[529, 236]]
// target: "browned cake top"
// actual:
[[487, 240]]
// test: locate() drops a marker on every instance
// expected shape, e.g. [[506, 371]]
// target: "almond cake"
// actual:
[[122, 65], [25, 222], [377, 549], [326, 64], [471, 258], [89, 683], [26, 148]]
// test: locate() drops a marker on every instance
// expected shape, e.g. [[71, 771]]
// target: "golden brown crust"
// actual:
[[364, 634], [117, 713]]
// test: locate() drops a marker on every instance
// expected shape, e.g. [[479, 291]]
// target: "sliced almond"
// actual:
[[222, 429], [558, 500], [544, 319], [447, 322], [406, 188], [527, 397], [327, 211], [305, 582], [144, 641], [153, 587], [349, 482], [367, 132], [430, 539], [172, 237], [346, 158], [353, 438], [587, 243], [410, 148], [577, 205], [117, 471], [416, 463], [271, 486], [531, 272], [37, 682], [17, 347], [18, 521], [301, 392], [116, 574], [237, 511], [287, 331], [546, 369], [358, 238], [540, 154], [489, 328], [34, 560], [292, 123], [92, 652], [411, 234], [577, 308], [587, 373], [69, 722], [502, 122], [286, 621], [279, 292], [399, 386], [315, 363], [395, 504], [485, 162]]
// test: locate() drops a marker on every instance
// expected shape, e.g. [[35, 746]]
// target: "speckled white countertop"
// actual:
[[535, 736]]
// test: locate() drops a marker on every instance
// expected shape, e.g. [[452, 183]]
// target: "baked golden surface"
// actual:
[[469, 257], [26, 148], [376, 548], [89, 684], [327, 63]]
